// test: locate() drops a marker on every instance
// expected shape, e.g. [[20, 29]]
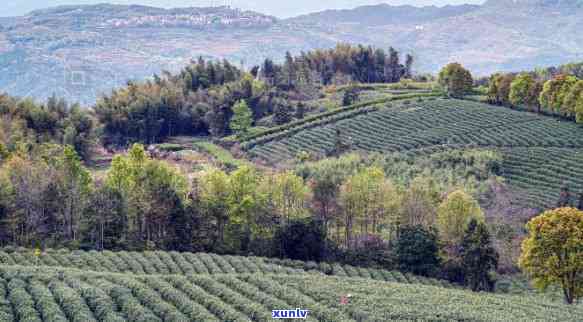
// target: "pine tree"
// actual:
[[409, 66], [394, 67], [300, 111], [242, 118], [289, 70], [282, 113], [478, 257]]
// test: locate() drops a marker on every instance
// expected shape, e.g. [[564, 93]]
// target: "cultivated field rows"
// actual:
[[250, 297], [402, 127], [174, 263], [540, 153]]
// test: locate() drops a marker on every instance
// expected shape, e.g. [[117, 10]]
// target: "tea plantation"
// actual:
[[540, 153], [159, 286]]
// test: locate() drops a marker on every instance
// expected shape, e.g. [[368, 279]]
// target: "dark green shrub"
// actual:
[[417, 251]]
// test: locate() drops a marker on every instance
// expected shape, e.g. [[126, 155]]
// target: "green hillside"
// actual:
[[205, 287], [539, 153]]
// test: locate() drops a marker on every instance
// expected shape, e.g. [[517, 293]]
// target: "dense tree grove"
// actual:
[[200, 100], [347, 209], [557, 91], [197, 101], [340, 65], [43, 196], [575, 69], [25, 123]]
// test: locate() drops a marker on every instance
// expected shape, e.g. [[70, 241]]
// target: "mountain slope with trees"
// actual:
[[82, 52]]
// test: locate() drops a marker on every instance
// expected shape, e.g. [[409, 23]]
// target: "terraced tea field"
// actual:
[[173, 263], [540, 152], [539, 173], [43, 291]]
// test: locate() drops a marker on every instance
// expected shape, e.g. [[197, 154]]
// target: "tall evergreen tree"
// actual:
[[289, 70], [300, 111], [408, 66], [393, 67], [242, 118], [478, 257]]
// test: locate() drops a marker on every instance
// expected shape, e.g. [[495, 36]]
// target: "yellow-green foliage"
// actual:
[[51, 175], [287, 193], [242, 118], [553, 251], [403, 84], [368, 197], [137, 171], [150, 187], [522, 90], [214, 190], [454, 214], [579, 109], [455, 79], [554, 93], [243, 195]]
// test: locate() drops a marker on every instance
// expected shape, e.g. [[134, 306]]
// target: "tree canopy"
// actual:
[[553, 253], [524, 90], [242, 118], [478, 256], [455, 79], [454, 214]]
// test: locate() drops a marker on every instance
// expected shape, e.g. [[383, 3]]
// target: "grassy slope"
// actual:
[[29, 293], [540, 153], [220, 154]]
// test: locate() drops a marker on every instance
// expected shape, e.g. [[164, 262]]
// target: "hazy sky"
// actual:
[[279, 8]]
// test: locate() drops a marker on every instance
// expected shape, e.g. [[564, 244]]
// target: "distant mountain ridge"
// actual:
[[138, 15], [80, 51], [384, 14], [131, 10], [536, 3]]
